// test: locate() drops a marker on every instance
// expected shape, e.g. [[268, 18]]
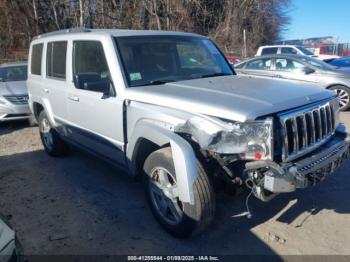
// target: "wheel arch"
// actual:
[[37, 108], [147, 138], [334, 85]]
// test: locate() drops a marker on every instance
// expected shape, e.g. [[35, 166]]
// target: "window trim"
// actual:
[[46, 59], [30, 67]]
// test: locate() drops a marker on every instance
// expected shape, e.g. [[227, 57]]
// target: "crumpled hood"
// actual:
[[238, 98], [13, 88]]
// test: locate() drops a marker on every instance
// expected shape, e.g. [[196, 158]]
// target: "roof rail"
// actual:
[[63, 31]]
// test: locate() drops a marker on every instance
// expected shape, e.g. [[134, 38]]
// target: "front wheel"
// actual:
[[178, 218], [50, 138], [343, 97]]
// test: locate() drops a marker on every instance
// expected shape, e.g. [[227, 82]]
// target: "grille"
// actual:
[[307, 129], [18, 99]]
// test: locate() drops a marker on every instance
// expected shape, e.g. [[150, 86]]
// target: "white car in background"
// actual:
[[290, 50]]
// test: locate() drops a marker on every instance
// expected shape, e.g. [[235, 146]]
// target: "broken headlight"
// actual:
[[250, 140]]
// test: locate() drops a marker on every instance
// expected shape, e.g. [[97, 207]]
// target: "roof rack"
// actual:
[[64, 31]]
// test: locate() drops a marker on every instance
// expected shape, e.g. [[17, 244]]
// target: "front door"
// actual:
[[259, 67], [291, 69], [95, 119]]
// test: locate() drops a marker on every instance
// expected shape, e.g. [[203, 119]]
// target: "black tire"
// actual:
[[194, 218], [345, 93], [50, 138]]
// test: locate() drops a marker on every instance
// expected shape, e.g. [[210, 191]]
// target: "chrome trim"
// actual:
[[17, 99], [303, 136]]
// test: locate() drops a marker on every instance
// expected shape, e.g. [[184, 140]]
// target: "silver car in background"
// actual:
[[14, 93], [303, 69]]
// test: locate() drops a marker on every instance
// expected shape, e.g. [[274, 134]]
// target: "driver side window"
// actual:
[[283, 64], [90, 68]]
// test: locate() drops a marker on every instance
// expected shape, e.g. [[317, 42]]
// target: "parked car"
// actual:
[[341, 62], [290, 50], [8, 249], [167, 106], [14, 93], [232, 59], [301, 69]]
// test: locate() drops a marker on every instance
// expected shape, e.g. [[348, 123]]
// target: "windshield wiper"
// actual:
[[216, 74]]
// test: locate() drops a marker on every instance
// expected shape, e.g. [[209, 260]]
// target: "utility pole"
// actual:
[[244, 44], [81, 13]]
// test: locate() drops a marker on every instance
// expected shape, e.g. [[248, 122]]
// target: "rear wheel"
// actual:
[[50, 138], [178, 218], [343, 97]]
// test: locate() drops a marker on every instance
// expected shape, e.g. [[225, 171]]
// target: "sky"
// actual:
[[316, 18]]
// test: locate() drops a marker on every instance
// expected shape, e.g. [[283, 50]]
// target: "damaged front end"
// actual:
[[250, 145], [248, 141]]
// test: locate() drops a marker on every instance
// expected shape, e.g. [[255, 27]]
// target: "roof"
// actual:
[[115, 32], [19, 63], [279, 45], [277, 56]]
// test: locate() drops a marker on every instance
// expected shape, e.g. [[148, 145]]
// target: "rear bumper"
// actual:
[[301, 173]]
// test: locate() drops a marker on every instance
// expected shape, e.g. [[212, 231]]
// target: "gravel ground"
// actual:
[[80, 205]]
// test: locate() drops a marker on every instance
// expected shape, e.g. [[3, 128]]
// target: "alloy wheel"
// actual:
[[164, 195], [343, 98]]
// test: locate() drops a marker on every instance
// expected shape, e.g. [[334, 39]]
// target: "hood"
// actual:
[[238, 98], [13, 88]]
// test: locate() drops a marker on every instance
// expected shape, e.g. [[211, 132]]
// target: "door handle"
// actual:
[[46, 90], [278, 76], [74, 98]]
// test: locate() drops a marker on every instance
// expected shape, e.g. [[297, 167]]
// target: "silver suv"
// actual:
[[13, 92], [167, 106]]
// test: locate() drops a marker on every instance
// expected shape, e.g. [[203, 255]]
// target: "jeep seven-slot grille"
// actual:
[[18, 99], [305, 130]]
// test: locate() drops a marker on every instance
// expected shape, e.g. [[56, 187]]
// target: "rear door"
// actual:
[[55, 84], [259, 67], [95, 118]]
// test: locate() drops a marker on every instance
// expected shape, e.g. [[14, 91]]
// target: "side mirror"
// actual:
[[308, 70], [102, 86], [93, 82]]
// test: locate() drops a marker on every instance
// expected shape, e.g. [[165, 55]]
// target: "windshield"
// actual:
[[305, 51], [317, 63], [13, 73], [150, 60]]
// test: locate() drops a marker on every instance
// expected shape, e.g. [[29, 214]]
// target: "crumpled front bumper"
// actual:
[[308, 170]]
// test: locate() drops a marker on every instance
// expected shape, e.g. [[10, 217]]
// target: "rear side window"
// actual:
[[89, 57], [37, 52], [56, 59], [269, 51], [259, 64]]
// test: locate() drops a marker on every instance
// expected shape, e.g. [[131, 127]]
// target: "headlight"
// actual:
[[2, 101], [251, 140]]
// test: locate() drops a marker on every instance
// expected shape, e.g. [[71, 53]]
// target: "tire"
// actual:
[[190, 219], [344, 97], [50, 138]]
